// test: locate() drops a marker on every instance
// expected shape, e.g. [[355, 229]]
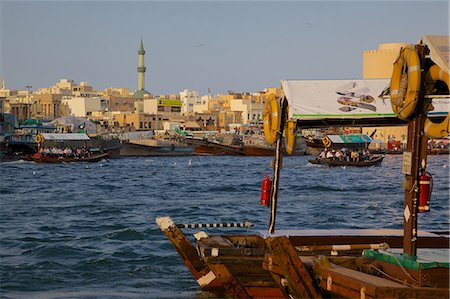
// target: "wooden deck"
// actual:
[[263, 266]]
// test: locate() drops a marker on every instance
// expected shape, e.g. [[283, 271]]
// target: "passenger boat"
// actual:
[[64, 159], [329, 263], [373, 161]]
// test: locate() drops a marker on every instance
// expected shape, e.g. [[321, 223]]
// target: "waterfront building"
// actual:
[[117, 91], [229, 117], [125, 104], [64, 86], [129, 122], [252, 112], [378, 64], [140, 92], [203, 105], [82, 106], [164, 105], [189, 99], [47, 106]]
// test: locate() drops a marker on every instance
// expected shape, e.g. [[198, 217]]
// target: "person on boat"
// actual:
[[354, 155], [323, 154], [330, 155], [339, 155]]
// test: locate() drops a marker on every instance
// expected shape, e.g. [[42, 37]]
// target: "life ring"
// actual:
[[271, 119], [405, 87], [39, 138], [431, 129], [326, 141], [290, 136]]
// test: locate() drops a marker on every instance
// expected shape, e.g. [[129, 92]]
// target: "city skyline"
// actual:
[[241, 46]]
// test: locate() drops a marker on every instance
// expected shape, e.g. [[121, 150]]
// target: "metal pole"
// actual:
[[277, 168]]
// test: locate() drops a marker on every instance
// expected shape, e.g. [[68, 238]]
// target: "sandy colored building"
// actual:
[[133, 121], [47, 106], [119, 103], [378, 64]]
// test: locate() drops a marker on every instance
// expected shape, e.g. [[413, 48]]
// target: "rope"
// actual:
[[214, 225], [391, 277], [404, 270]]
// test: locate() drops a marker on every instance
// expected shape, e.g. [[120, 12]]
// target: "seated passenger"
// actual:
[[330, 155], [339, 155], [323, 154]]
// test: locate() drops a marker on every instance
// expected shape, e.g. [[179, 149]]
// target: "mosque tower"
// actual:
[[140, 92]]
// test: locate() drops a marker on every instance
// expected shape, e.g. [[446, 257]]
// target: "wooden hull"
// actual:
[[140, 150], [58, 159], [372, 162], [217, 149], [292, 264], [250, 150]]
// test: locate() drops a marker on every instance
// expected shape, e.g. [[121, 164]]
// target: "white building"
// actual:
[[83, 106], [189, 98], [203, 105], [150, 106], [251, 112]]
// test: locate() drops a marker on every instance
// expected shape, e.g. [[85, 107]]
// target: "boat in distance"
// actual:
[[64, 159], [373, 161]]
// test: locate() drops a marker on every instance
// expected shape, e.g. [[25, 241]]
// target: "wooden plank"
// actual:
[[201, 272], [393, 241], [232, 287], [300, 282], [265, 292]]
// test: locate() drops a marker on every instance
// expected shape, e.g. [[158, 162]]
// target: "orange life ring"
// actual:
[[271, 119], [405, 87]]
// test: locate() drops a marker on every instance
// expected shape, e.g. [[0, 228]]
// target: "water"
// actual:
[[88, 230]]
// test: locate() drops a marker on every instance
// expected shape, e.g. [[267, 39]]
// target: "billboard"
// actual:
[[338, 99]]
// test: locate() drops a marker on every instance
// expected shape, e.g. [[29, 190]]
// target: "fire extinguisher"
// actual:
[[425, 188], [265, 191]]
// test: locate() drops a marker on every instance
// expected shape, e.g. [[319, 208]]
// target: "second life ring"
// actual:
[[431, 129], [405, 87], [271, 119], [39, 138], [290, 136], [326, 141]]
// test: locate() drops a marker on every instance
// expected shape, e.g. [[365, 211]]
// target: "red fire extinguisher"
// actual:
[[265, 191], [425, 188]]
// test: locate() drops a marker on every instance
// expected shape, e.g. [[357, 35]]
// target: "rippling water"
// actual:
[[88, 230]]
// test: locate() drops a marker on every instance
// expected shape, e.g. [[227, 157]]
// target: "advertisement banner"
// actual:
[[319, 99]]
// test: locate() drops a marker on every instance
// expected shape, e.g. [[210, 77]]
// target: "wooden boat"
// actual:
[[133, 149], [308, 263], [373, 161], [208, 148], [255, 150], [63, 159]]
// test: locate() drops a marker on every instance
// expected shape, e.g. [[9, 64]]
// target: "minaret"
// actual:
[[141, 67]]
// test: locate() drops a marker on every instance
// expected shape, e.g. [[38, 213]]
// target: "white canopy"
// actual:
[[65, 136], [341, 99], [318, 99], [439, 50]]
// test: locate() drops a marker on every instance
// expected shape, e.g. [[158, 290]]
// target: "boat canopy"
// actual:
[[350, 139], [65, 136]]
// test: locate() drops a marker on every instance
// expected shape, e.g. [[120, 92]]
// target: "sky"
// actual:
[[196, 45]]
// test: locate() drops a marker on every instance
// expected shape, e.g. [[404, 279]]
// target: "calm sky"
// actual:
[[222, 45]]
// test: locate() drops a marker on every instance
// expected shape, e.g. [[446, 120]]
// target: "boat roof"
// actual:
[[350, 138], [65, 136]]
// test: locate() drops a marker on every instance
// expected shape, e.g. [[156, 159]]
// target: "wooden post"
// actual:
[[277, 168], [416, 152]]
